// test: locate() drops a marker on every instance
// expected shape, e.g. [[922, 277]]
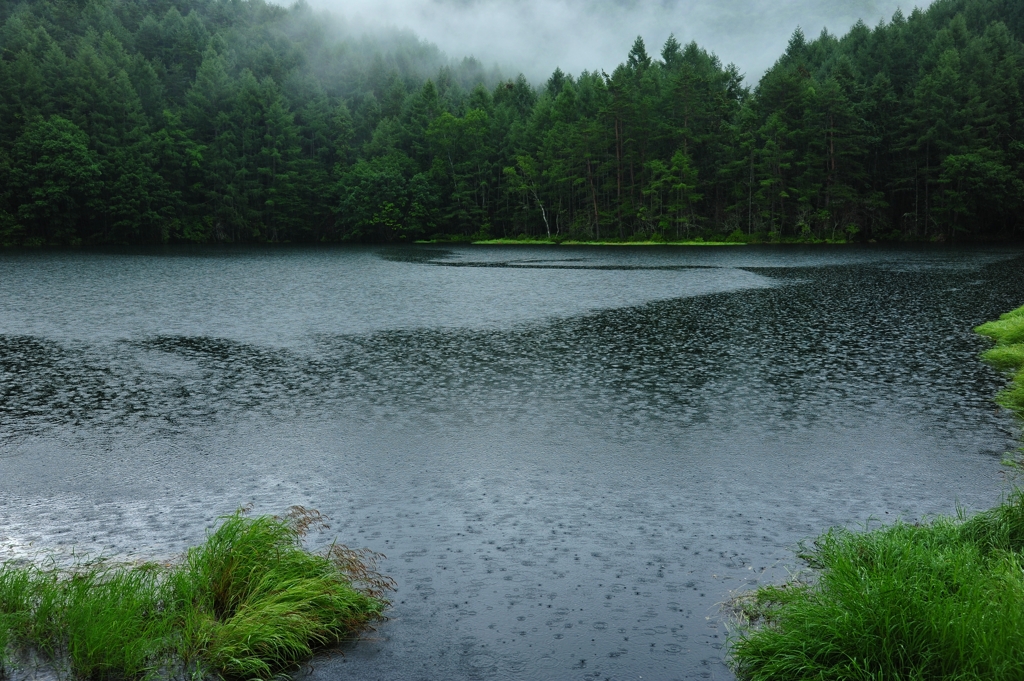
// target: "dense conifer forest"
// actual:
[[149, 121]]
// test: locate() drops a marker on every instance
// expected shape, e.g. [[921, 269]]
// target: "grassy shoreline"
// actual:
[[941, 600], [1008, 356], [248, 603], [936, 600], [735, 239], [709, 238], [573, 242], [555, 241]]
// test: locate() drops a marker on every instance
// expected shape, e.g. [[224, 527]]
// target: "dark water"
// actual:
[[570, 456]]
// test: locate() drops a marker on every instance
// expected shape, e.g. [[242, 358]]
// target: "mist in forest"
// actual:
[[535, 36]]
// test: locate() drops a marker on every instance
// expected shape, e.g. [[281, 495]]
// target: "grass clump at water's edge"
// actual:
[[1008, 355], [248, 603], [942, 600]]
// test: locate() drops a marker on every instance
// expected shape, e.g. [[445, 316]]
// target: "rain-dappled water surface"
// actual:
[[570, 456]]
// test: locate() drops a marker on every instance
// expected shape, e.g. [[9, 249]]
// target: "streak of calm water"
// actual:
[[570, 455]]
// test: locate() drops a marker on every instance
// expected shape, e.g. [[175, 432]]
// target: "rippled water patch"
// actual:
[[569, 460]]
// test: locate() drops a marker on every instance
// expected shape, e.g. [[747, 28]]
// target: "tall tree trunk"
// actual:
[[543, 213]]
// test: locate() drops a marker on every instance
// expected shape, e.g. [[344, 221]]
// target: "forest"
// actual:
[[204, 121]]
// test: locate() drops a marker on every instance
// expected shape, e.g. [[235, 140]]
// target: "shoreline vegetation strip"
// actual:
[[942, 599], [735, 239], [248, 603], [1008, 356], [571, 242]]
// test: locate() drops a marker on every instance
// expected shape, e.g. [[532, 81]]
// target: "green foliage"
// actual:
[[54, 180], [937, 600], [542, 241], [1007, 330], [1008, 355], [261, 602], [248, 603], [113, 621], [200, 121], [384, 198]]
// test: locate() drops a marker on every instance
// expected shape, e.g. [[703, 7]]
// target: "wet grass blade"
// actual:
[[248, 603], [1008, 356], [943, 600]]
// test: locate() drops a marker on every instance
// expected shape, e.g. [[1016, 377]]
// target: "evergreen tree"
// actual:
[[55, 180], [193, 120]]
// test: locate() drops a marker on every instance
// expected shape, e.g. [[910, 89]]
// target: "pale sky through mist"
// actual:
[[535, 36]]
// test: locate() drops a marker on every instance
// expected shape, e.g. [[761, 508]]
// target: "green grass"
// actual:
[[942, 600], [248, 603], [573, 242], [1008, 356], [736, 238], [1009, 328]]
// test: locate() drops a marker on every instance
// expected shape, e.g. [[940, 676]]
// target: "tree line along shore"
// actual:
[[201, 121]]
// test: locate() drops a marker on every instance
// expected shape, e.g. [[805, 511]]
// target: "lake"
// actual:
[[570, 456]]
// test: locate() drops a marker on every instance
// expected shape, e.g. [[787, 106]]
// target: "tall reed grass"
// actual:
[[248, 603], [939, 600]]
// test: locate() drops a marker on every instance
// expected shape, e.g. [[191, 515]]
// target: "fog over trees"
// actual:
[[535, 36], [131, 121]]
